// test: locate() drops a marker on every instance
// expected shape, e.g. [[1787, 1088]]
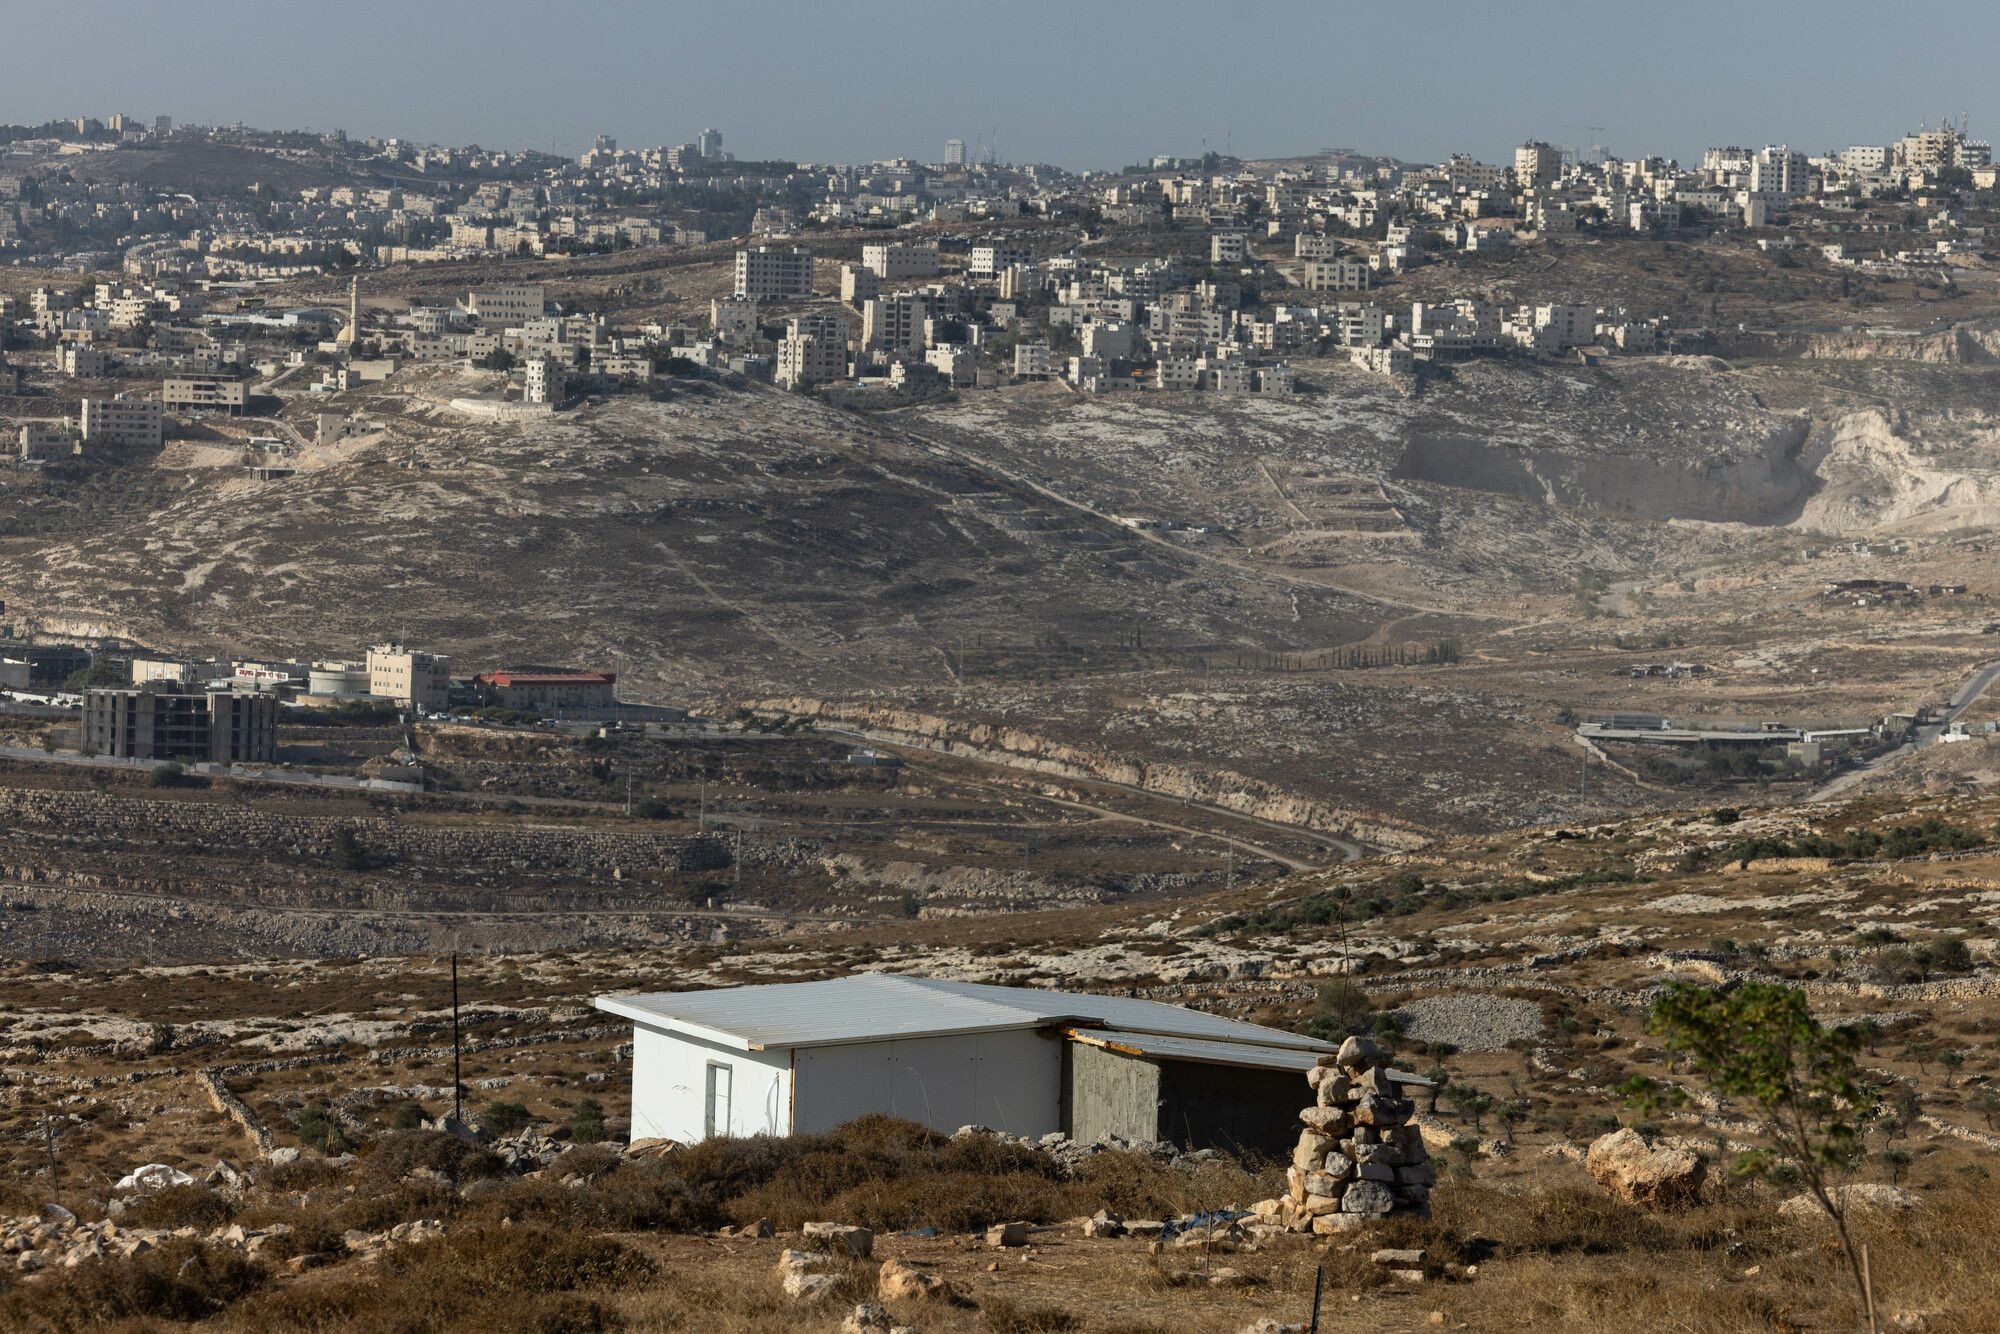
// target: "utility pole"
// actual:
[[1232, 867], [457, 1079], [628, 792], [49, 1143], [701, 820]]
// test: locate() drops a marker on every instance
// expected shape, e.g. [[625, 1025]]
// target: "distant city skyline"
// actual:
[[1092, 86]]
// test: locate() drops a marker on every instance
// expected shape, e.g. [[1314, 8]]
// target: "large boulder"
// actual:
[[1654, 1177]]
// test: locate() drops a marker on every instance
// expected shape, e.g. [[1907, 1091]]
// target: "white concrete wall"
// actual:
[[670, 1087], [1010, 1081]]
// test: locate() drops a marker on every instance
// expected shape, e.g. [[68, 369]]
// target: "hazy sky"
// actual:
[[1083, 83]]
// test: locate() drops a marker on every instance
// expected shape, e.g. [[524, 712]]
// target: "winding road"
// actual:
[[1967, 695]]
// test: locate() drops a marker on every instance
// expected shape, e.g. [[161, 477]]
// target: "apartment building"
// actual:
[[208, 393], [1108, 341], [813, 351], [988, 261], [422, 680], [45, 442], [545, 379], [1453, 328], [172, 721], [1777, 170], [897, 261], [1337, 275], [1227, 248], [1536, 164], [120, 421], [858, 284], [765, 271], [898, 322], [1031, 361], [80, 361], [956, 364], [734, 318], [506, 304], [1314, 245]]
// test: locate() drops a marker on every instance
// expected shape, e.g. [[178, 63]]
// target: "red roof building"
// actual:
[[540, 690]]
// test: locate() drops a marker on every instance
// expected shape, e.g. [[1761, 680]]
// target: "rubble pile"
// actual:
[[58, 1239], [1359, 1157], [1070, 1154]]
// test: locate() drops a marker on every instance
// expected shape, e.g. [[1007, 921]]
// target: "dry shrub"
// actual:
[[183, 1280], [179, 1206], [397, 1154], [380, 1210], [305, 1174], [953, 1201], [477, 1281], [1003, 1315]]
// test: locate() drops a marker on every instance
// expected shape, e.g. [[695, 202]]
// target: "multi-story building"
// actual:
[[708, 144], [734, 318], [80, 361], [1453, 328], [121, 421], [895, 261], [954, 152], [548, 690], [766, 271], [545, 379], [1314, 245], [813, 351], [1110, 340], [209, 393], [1337, 275], [1946, 146], [1031, 361], [1228, 247], [1777, 170], [173, 721], [858, 284], [988, 261], [1537, 164], [421, 680], [1865, 159], [956, 364], [45, 442], [898, 322], [506, 304]]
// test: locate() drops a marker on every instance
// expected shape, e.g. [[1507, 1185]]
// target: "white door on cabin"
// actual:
[[716, 1119]]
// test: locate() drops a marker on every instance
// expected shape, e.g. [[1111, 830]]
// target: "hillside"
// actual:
[[1520, 967]]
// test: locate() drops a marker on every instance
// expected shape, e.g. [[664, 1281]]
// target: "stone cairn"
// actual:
[[1359, 1157]]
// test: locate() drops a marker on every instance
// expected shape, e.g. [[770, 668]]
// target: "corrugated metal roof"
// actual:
[[1155, 1045], [874, 1006], [1263, 1056]]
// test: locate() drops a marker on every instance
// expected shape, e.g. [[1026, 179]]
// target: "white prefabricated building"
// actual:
[[794, 1058]]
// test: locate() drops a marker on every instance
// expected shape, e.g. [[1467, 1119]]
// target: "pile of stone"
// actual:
[[58, 1239], [1359, 1157], [1070, 1154]]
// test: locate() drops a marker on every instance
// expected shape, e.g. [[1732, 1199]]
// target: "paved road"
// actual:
[[1968, 694]]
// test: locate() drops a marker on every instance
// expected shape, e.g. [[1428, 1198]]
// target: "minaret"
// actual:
[[353, 329]]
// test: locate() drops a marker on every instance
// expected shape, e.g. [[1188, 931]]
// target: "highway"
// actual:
[[1967, 695]]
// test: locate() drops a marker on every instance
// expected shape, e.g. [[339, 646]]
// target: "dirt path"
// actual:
[[1265, 574], [1349, 851]]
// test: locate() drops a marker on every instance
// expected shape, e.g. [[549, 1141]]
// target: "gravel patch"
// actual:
[[1470, 1022]]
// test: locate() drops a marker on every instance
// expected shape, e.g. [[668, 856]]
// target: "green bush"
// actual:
[[504, 1118], [586, 1123]]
